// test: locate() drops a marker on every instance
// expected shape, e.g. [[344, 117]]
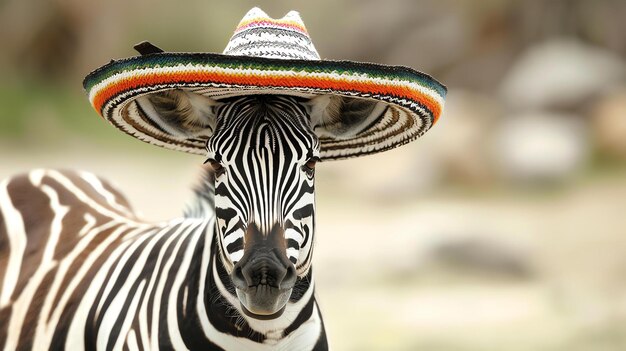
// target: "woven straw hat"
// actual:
[[356, 108]]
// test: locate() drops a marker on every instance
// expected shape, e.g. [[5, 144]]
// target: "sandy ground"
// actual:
[[544, 271]]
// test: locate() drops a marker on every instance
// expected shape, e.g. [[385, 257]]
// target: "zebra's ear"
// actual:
[[342, 117], [180, 112]]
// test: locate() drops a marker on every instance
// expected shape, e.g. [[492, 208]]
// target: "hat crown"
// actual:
[[259, 35]]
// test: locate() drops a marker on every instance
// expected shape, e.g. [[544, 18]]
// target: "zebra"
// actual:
[[80, 271]]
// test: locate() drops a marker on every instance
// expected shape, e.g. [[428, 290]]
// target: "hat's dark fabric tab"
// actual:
[[146, 48]]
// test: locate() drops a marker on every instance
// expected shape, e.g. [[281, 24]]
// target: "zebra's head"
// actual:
[[263, 152], [263, 149]]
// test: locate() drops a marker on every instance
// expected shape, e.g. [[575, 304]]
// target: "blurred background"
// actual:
[[503, 228]]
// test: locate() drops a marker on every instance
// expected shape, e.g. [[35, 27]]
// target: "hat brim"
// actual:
[[414, 100]]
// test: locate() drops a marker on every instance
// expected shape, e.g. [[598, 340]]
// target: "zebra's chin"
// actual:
[[263, 301]]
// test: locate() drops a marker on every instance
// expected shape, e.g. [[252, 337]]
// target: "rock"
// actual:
[[541, 146], [483, 255], [608, 118], [560, 73]]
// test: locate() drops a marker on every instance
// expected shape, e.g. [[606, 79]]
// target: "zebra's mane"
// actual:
[[203, 201]]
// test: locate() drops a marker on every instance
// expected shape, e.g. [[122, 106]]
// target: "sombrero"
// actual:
[[356, 108]]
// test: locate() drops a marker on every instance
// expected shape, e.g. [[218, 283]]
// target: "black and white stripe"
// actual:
[[80, 271], [264, 143]]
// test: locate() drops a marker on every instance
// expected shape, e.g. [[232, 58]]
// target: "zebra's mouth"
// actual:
[[263, 301], [262, 316]]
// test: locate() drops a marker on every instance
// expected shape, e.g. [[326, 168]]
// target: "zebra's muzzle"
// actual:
[[264, 277], [263, 281]]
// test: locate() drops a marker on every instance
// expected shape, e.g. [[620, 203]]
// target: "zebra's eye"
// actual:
[[217, 167], [309, 166]]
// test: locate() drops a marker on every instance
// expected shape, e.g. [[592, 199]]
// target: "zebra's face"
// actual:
[[264, 151]]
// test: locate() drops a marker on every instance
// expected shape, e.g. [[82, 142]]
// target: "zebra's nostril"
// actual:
[[238, 279], [289, 280]]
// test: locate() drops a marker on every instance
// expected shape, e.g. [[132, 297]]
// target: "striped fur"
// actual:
[[280, 191], [80, 271]]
